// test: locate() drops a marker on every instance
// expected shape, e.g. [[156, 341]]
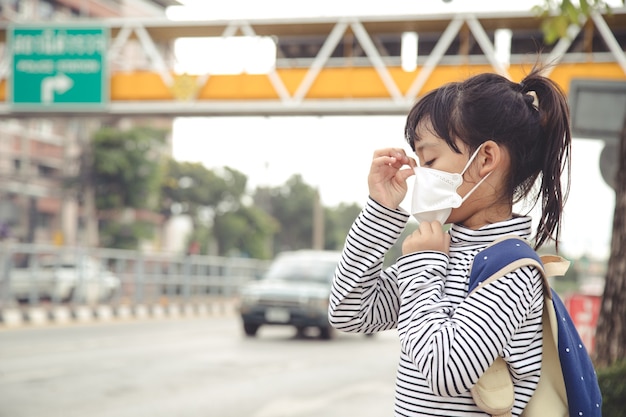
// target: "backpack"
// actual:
[[568, 385]]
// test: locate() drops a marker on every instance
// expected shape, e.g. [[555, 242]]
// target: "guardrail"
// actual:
[[42, 283]]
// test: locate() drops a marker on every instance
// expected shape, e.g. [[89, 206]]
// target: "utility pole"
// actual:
[[318, 222]]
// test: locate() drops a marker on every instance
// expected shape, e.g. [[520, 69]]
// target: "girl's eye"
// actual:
[[429, 163]]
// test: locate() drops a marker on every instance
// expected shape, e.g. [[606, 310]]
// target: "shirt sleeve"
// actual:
[[364, 298], [452, 347]]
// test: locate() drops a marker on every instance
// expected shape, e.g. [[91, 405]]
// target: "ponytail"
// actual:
[[554, 120]]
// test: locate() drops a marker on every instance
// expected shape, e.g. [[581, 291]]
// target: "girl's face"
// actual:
[[433, 152]]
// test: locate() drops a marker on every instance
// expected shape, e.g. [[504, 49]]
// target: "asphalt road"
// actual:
[[192, 368]]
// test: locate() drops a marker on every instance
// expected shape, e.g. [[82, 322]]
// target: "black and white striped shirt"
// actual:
[[447, 338]]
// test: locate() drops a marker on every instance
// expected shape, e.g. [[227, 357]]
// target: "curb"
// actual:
[[14, 317]]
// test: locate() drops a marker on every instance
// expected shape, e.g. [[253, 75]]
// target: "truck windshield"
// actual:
[[287, 269]]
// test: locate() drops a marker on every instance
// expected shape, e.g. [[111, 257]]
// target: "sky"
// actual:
[[333, 153]]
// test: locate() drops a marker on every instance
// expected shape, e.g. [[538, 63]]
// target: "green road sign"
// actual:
[[58, 68]]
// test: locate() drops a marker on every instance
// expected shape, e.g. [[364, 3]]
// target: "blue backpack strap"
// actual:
[[488, 262], [583, 391], [581, 382]]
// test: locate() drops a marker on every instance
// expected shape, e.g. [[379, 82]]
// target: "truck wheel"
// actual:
[[300, 332], [327, 333], [250, 329]]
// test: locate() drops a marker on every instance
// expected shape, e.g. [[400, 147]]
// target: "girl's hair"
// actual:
[[530, 119]]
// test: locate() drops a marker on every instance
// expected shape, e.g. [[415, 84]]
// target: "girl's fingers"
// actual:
[[397, 153], [426, 228]]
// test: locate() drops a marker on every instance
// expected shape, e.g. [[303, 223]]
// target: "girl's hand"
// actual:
[[428, 236], [387, 179]]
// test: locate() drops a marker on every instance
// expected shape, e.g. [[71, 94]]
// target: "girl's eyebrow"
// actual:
[[421, 145]]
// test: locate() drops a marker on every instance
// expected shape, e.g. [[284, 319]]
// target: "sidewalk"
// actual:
[[48, 314]]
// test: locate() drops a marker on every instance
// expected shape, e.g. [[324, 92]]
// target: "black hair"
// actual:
[[530, 119]]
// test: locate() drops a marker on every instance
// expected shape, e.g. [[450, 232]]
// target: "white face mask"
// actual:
[[434, 192]]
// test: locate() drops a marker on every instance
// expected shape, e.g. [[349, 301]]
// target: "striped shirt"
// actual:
[[447, 339]]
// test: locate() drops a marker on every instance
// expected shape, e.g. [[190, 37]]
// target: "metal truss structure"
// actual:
[[331, 66]]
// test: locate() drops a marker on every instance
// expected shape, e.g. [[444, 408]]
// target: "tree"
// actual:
[[337, 224], [127, 167], [611, 328], [245, 232], [214, 203], [292, 206], [125, 174], [190, 188], [558, 16]]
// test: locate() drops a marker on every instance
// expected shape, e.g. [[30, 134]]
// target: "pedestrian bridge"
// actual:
[[323, 66]]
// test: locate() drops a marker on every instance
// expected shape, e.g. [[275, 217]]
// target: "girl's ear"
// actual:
[[490, 157]]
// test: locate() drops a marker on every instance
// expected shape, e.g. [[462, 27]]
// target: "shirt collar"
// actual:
[[517, 226]]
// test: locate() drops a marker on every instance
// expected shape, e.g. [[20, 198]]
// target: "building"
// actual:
[[38, 156], [46, 10]]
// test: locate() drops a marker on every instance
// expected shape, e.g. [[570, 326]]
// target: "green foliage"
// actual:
[[122, 235], [612, 381], [213, 201], [126, 167], [202, 236], [245, 232], [194, 188], [292, 206], [557, 15], [337, 223]]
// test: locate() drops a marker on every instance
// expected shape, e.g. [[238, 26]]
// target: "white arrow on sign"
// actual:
[[59, 84]]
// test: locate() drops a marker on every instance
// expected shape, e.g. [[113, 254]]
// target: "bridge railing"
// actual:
[[50, 276]]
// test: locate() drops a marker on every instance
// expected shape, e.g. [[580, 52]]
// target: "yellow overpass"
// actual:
[[354, 67]]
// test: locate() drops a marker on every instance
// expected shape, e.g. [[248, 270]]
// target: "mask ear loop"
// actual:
[[465, 169], [475, 187], [469, 161]]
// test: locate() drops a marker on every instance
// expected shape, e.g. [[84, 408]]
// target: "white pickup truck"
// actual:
[[81, 279]]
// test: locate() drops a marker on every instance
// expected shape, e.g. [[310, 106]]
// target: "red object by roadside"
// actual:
[[584, 310]]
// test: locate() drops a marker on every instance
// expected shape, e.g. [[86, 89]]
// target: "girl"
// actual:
[[482, 145]]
